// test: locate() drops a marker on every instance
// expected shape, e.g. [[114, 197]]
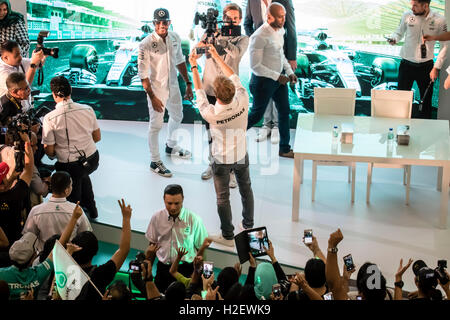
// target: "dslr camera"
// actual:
[[440, 271], [135, 265], [53, 52]]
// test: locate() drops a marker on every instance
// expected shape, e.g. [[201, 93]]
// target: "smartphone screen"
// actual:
[[348, 261], [135, 267], [328, 296], [290, 277], [208, 269], [3, 130], [276, 289], [307, 236], [258, 240]]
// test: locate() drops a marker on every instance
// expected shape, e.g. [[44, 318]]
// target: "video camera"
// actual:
[[210, 23], [53, 52], [20, 123]]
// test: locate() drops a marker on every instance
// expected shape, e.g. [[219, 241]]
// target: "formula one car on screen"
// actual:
[[328, 66]]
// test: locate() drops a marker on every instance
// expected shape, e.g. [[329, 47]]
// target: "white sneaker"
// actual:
[[207, 174], [177, 151], [263, 133], [233, 182], [220, 239], [275, 135]]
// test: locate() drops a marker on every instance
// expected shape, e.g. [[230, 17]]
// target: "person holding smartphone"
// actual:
[[417, 57]]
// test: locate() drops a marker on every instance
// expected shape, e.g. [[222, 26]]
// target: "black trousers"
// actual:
[[420, 72], [81, 183], [163, 277]]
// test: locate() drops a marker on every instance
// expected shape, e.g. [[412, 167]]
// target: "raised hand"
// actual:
[[335, 238], [77, 211], [401, 269], [126, 209], [181, 252]]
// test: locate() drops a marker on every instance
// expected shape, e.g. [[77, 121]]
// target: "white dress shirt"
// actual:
[[186, 231], [413, 27], [267, 57], [448, 70], [6, 70], [50, 218], [264, 9], [80, 121], [228, 124], [157, 61]]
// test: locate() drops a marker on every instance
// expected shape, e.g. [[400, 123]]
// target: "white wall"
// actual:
[[444, 95], [19, 6]]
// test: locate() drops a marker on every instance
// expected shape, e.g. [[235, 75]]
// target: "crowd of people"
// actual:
[[30, 226]]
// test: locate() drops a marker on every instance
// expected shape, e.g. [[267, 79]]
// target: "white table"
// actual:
[[429, 146]]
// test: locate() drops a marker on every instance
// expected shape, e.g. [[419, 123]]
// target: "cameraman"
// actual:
[[11, 61], [230, 49], [69, 133], [13, 200]]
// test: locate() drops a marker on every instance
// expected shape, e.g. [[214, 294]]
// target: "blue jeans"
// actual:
[[263, 89], [221, 175]]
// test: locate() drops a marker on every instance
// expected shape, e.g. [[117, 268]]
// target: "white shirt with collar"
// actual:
[[50, 218], [228, 124], [186, 231], [157, 61], [80, 121], [413, 27], [264, 9], [6, 70], [267, 57]]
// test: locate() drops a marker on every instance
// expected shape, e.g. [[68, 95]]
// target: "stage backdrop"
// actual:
[[340, 44]]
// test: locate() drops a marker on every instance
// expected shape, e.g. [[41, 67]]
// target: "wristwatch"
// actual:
[[399, 284], [33, 66], [189, 83], [333, 250]]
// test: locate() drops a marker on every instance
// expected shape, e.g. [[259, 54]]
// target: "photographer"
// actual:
[[13, 200], [230, 49], [12, 102], [11, 61], [228, 121], [69, 133]]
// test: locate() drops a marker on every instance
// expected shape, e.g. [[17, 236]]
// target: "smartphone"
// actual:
[[276, 290], [348, 261], [328, 296], [208, 269], [307, 236], [290, 277], [388, 39], [3, 130]]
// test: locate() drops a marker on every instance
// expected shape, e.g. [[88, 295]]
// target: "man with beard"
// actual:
[[417, 56]]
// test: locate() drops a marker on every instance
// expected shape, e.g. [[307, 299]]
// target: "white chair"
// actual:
[[391, 104], [334, 101]]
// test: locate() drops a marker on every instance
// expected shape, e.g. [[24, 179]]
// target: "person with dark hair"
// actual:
[[51, 217], [14, 198], [21, 276], [11, 103], [12, 27], [70, 133], [418, 57], [159, 58], [101, 275], [172, 228], [226, 279], [118, 291], [12, 61], [175, 292]]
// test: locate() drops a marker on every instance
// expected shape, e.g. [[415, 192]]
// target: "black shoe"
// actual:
[[159, 168]]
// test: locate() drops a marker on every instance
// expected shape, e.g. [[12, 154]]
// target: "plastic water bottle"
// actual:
[[335, 134], [390, 137]]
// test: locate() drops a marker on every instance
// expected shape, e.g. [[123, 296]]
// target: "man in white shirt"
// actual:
[[51, 217], [228, 123], [447, 81], [268, 64], [170, 229], [159, 58], [70, 133], [417, 58], [11, 61], [256, 15], [231, 49]]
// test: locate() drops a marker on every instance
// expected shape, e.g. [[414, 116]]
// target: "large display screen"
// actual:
[[340, 44]]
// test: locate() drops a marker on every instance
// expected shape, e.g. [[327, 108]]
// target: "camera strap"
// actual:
[[13, 100]]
